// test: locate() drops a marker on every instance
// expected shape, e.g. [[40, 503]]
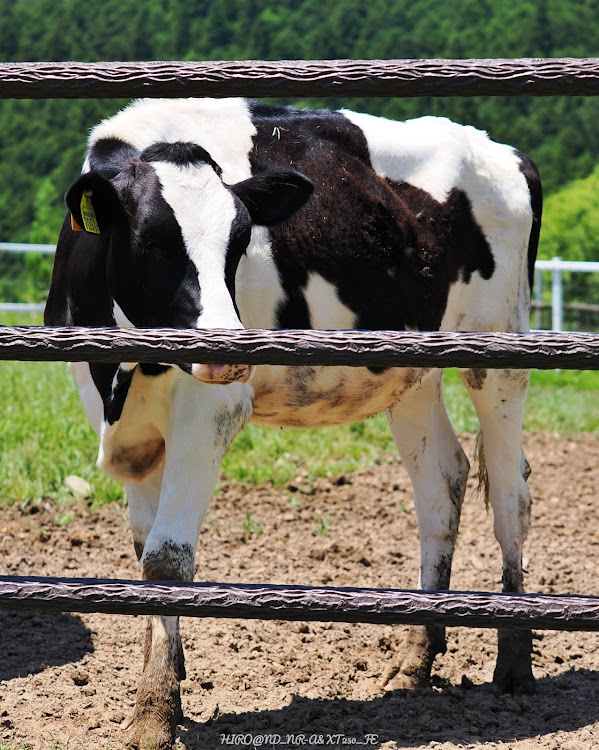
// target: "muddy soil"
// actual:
[[69, 680]]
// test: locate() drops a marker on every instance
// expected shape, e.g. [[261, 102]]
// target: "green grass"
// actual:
[[45, 436]]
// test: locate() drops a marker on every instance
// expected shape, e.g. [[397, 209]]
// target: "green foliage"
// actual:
[[571, 231], [571, 224], [45, 436], [251, 526], [291, 453], [324, 525]]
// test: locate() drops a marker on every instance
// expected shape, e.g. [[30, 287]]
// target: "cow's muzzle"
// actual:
[[222, 374]]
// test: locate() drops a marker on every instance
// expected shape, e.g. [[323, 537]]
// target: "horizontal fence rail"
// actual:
[[326, 604], [543, 350], [257, 78], [417, 78]]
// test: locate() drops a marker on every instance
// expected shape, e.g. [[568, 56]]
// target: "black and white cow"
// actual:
[[230, 214]]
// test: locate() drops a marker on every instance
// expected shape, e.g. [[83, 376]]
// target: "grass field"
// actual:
[[45, 436]]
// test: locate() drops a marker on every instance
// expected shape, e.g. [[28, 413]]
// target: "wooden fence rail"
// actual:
[[543, 350], [258, 78], [528, 77], [270, 602]]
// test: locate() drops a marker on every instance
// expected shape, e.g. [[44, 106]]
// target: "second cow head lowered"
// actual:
[[230, 213]]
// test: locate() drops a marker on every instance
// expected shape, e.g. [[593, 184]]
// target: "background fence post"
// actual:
[[557, 315], [538, 324]]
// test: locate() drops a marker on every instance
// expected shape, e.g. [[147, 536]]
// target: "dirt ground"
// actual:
[[68, 681]]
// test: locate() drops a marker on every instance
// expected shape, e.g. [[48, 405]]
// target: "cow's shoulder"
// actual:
[[297, 137]]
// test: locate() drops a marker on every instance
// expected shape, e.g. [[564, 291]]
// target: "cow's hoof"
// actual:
[[413, 670], [150, 735], [153, 722], [514, 678], [513, 673], [396, 679]]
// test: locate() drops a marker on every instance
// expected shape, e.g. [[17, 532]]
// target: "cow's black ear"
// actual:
[[94, 203], [273, 196]]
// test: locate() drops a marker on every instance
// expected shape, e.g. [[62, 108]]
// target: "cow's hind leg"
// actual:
[[499, 397], [204, 420], [438, 469]]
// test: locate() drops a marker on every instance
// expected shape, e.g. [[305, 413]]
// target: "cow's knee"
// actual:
[[170, 561]]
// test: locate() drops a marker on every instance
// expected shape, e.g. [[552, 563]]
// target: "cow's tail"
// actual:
[[482, 476], [533, 180]]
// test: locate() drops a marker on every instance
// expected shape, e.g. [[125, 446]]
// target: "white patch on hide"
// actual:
[[325, 308], [221, 126], [258, 289], [437, 155]]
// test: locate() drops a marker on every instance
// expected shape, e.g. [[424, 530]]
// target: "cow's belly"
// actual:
[[324, 396]]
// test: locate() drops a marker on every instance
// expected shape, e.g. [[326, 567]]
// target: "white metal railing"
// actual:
[[26, 247], [556, 265]]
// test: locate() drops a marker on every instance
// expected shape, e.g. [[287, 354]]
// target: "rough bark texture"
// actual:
[[492, 77], [546, 350], [272, 602]]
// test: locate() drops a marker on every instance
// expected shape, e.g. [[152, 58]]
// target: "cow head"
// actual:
[[170, 233]]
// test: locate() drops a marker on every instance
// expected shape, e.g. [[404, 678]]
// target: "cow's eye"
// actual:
[[151, 249]]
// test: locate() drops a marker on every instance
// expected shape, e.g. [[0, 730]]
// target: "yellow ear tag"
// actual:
[[88, 214]]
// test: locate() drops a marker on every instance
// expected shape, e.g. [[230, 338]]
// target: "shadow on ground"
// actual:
[[31, 641], [413, 718]]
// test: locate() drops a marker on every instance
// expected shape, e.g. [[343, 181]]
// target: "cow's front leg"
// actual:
[[438, 469], [143, 499], [204, 420]]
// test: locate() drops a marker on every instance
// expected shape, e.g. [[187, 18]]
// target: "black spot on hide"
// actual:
[[109, 155], [114, 403]]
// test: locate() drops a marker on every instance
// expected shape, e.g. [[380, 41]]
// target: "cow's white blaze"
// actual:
[[205, 211]]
